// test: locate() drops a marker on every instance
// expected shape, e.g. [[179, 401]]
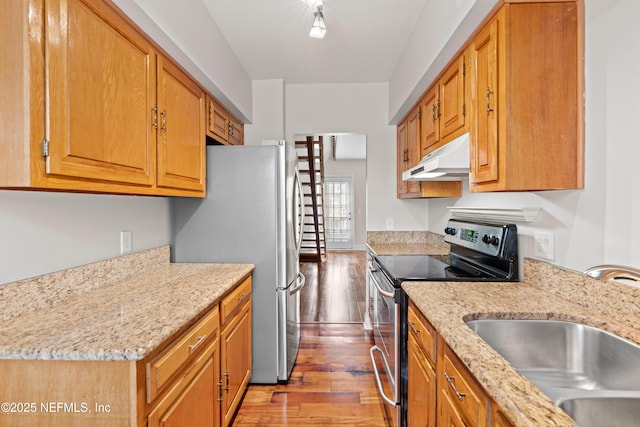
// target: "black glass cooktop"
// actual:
[[400, 268]]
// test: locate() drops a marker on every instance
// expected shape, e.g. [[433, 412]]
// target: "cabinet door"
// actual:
[[195, 403], [413, 137], [421, 409], [235, 367], [236, 132], [484, 141], [448, 414], [181, 130], [413, 147], [402, 158], [498, 419], [452, 101], [430, 120], [218, 121], [100, 95]]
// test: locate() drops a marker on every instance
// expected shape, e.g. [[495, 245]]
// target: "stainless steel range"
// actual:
[[479, 251]]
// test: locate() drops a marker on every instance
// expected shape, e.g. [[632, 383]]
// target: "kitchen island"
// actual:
[[548, 292], [126, 348]]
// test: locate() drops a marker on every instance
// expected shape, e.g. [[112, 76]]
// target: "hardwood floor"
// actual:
[[332, 382], [335, 288]]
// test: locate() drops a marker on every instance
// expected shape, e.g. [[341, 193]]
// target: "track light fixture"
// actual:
[[318, 28]]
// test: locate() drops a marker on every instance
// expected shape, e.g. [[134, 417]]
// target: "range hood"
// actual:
[[448, 163]]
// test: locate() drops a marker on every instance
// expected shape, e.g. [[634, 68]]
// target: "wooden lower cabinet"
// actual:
[[192, 401], [448, 414], [235, 366], [499, 419], [441, 390], [457, 386], [421, 409], [196, 379]]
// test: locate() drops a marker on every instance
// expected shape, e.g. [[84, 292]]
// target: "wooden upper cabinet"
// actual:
[[528, 93], [101, 92], [217, 121], [221, 125], [452, 108], [444, 108], [430, 120], [236, 131], [84, 91], [484, 144], [181, 129], [402, 158], [409, 135]]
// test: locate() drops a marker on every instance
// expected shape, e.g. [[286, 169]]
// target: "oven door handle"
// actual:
[[380, 291], [376, 374]]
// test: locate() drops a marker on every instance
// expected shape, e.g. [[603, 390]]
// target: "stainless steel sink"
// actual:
[[603, 411], [578, 367]]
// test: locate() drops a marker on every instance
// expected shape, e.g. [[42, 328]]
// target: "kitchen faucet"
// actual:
[[612, 271]]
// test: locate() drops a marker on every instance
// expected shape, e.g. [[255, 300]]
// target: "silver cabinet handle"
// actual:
[[450, 380], [413, 328], [373, 349], [197, 343]]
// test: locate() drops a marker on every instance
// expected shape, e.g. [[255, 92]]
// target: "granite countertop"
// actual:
[[548, 293], [122, 320]]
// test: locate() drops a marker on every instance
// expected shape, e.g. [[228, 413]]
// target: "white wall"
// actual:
[[600, 224], [186, 30], [46, 232], [268, 112], [442, 29], [357, 170], [358, 108]]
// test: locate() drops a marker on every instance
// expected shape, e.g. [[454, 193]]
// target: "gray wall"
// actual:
[[46, 232]]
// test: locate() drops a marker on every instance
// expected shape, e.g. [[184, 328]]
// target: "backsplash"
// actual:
[[409, 237], [617, 301], [44, 291]]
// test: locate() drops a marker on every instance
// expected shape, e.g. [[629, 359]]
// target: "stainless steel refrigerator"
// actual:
[[252, 214]]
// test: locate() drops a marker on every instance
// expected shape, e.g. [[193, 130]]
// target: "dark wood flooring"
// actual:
[[335, 288], [332, 382]]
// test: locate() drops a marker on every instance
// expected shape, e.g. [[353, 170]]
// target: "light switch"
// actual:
[[543, 245], [125, 241]]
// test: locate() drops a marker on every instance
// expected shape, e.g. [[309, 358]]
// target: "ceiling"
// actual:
[[365, 38]]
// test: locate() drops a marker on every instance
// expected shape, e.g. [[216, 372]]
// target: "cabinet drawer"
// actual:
[[423, 332], [236, 299], [164, 366], [462, 389]]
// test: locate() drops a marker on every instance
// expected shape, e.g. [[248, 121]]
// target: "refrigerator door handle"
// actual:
[[298, 209], [299, 284]]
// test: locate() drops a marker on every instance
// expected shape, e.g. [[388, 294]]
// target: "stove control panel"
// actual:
[[491, 239]]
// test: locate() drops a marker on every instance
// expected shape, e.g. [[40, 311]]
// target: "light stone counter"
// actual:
[[549, 292], [123, 318]]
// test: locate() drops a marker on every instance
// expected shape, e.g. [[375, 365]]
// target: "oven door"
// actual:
[[385, 317]]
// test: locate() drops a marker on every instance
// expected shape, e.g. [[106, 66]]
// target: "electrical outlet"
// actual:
[[389, 223], [543, 245], [126, 241]]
